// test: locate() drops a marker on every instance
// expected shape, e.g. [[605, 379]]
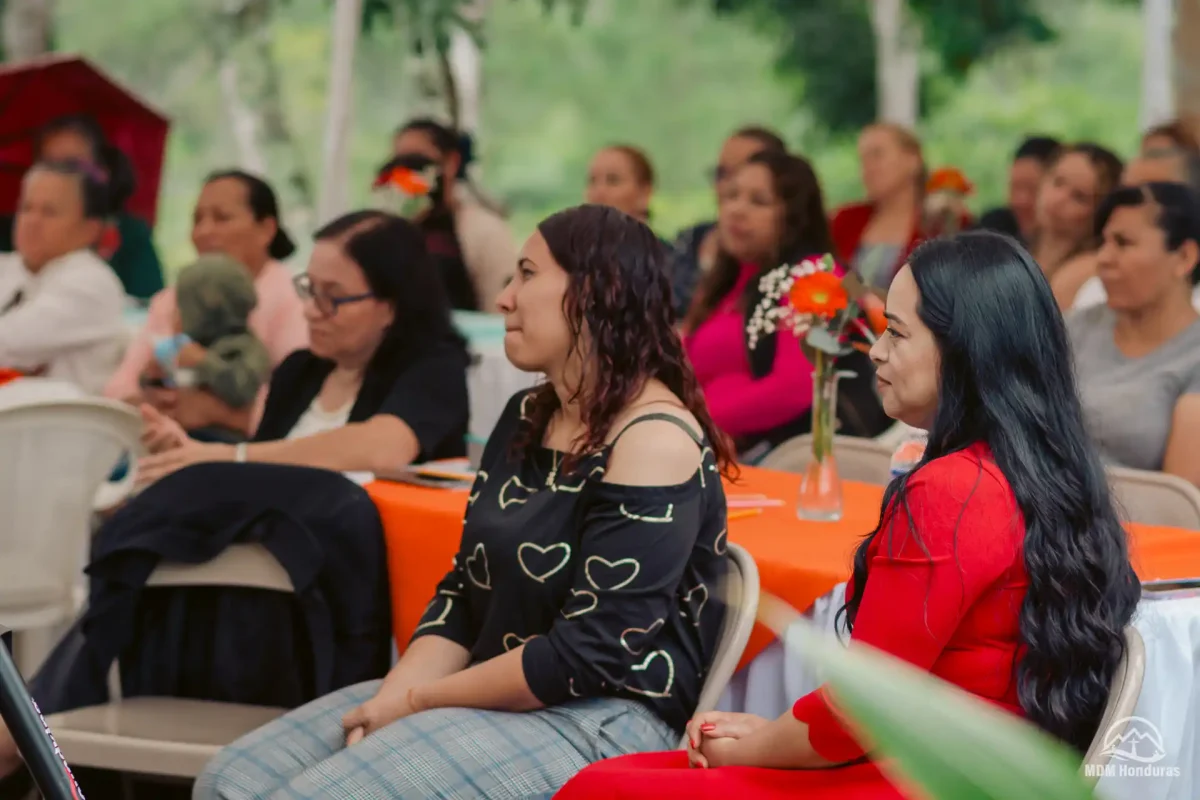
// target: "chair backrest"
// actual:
[[1122, 701], [248, 565], [862, 460], [245, 565], [740, 593], [54, 455], [1155, 498]]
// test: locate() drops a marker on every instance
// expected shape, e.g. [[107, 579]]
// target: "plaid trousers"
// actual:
[[444, 753]]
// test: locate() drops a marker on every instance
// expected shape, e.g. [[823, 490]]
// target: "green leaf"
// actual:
[[820, 338], [952, 744]]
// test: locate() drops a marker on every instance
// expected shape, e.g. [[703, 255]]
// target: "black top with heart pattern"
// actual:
[[613, 590]]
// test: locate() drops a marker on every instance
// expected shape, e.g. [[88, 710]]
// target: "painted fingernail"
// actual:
[[708, 726]]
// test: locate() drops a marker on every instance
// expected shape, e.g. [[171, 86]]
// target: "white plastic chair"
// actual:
[[740, 593], [862, 460], [170, 736], [1122, 702], [54, 455]]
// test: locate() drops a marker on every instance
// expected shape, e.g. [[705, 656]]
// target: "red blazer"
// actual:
[[848, 223]]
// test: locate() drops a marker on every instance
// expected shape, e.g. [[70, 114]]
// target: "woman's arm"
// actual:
[[160, 321], [1183, 443], [428, 659], [380, 444], [497, 684]]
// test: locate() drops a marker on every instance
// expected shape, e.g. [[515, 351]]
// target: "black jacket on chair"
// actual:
[[239, 645]]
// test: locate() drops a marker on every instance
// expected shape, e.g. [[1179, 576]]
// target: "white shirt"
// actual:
[[317, 420], [1092, 294], [68, 324]]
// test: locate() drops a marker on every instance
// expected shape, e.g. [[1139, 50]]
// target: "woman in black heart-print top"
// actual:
[[583, 609], [617, 583]]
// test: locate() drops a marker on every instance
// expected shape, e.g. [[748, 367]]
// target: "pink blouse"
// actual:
[[277, 320], [740, 404]]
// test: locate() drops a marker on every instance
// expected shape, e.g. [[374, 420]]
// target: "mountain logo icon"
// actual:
[[1134, 739]]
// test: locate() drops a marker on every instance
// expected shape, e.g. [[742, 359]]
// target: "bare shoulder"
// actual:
[[658, 451]]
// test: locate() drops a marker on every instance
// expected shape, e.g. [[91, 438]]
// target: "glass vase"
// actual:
[[820, 496]]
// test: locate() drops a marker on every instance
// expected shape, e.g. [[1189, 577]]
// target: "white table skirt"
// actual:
[[491, 380], [1169, 704]]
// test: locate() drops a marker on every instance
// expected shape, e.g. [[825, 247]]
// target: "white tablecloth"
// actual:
[[1168, 707], [491, 380]]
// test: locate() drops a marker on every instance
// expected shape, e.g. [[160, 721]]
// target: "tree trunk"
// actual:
[[242, 121], [28, 28], [1158, 101], [1187, 61], [466, 68], [897, 62], [334, 199]]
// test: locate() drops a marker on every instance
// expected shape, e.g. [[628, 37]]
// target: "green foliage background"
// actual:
[[671, 76]]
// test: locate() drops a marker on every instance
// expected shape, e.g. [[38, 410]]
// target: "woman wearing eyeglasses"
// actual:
[[383, 381], [383, 384]]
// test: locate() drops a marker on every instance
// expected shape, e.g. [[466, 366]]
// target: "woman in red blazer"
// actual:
[[876, 236], [999, 564]]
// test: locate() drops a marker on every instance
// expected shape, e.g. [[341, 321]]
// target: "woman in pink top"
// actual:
[[236, 214], [770, 212]]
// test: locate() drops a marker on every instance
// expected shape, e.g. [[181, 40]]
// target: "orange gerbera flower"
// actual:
[[820, 294], [407, 181]]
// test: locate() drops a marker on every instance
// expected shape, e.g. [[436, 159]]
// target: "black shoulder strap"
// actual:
[[658, 415]]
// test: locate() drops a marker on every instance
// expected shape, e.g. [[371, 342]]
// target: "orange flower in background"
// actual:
[[873, 309], [948, 179], [407, 181], [820, 294]]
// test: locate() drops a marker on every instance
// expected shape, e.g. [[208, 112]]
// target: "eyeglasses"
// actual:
[[325, 303]]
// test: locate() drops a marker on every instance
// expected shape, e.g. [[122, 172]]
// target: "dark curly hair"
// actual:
[[619, 291], [1007, 380]]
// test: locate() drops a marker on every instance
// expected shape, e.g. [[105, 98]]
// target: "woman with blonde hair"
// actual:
[[876, 235]]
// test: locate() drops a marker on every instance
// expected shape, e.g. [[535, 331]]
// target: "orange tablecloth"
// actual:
[[797, 561]]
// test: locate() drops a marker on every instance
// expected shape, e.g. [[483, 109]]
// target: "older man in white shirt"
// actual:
[[60, 305]]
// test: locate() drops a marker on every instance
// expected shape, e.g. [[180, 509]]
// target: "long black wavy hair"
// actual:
[[1007, 379]]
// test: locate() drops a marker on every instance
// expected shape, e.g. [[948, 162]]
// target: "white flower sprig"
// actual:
[[770, 314]]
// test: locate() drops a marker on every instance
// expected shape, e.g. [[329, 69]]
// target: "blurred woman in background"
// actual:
[[1138, 356], [1080, 176], [125, 242], [874, 237], [696, 248], [60, 305], [1018, 219], [469, 240], [621, 176], [771, 213], [1178, 134], [236, 215]]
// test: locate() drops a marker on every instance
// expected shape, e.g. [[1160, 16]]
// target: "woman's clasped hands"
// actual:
[[714, 737]]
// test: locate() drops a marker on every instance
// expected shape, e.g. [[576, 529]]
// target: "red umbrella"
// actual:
[[36, 92]]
